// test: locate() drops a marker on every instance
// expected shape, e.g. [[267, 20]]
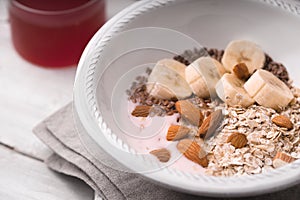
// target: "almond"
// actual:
[[282, 159], [238, 140], [177, 132], [204, 126], [283, 121], [210, 124], [241, 71], [192, 151], [189, 112], [163, 155], [141, 111]]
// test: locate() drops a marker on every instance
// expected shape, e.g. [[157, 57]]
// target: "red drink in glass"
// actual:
[[53, 33]]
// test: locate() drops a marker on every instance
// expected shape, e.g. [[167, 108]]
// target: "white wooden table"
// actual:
[[28, 94]]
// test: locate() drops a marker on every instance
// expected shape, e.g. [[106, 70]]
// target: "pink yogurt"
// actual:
[[147, 142]]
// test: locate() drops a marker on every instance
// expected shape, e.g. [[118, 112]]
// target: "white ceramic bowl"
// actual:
[[106, 70]]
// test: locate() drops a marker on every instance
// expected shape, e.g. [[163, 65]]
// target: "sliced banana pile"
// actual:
[[238, 80], [242, 59]]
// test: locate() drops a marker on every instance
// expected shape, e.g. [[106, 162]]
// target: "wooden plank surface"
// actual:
[[27, 179], [3, 13], [28, 93]]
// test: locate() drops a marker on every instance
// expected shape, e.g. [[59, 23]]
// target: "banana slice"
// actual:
[[167, 80], [230, 90], [267, 90], [174, 65], [202, 76], [243, 51]]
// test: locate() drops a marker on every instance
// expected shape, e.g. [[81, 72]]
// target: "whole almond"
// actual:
[[283, 121], [189, 112], [241, 71], [163, 155], [238, 140], [141, 111], [192, 151], [282, 159], [177, 132], [211, 124]]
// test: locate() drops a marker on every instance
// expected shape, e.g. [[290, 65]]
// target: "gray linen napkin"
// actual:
[[71, 158]]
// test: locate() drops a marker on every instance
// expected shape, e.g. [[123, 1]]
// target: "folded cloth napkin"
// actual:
[[70, 157]]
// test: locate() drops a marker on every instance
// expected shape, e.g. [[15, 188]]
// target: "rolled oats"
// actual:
[[264, 138]]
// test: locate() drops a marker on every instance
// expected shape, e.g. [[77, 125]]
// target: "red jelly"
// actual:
[[53, 33]]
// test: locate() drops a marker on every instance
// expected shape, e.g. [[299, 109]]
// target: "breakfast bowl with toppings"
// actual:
[[205, 103]]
